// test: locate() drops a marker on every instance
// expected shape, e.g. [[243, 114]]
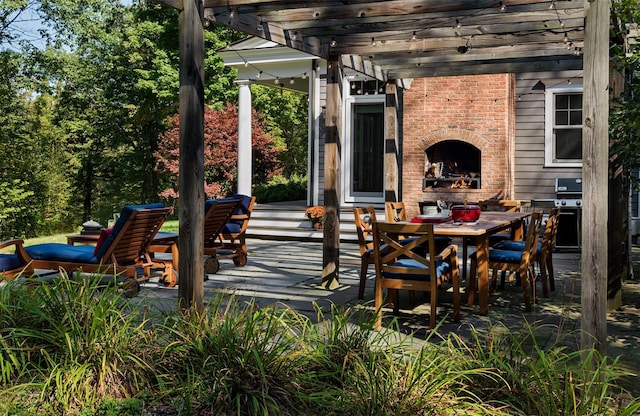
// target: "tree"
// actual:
[[624, 119], [286, 118], [221, 151]]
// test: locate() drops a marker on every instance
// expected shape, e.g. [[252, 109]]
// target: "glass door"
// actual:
[[365, 164]]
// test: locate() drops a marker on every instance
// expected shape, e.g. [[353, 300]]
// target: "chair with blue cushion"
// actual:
[[364, 218], [520, 262], [14, 264], [544, 252], [399, 266], [233, 235], [218, 213], [125, 249]]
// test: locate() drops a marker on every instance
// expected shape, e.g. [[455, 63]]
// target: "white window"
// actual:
[[563, 126]]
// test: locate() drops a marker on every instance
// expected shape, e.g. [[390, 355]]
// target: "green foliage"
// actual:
[[280, 189], [624, 117], [78, 347], [220, 153], [286, 117]]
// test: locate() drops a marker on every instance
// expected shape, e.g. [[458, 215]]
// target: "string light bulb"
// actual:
[[276, 81], [304, 76], [552, 5], [294, 37], [373, 41], [503, 7], [333, 43], [232, 14], [414, 37], [458, 24], [259, 27], [259, 74]]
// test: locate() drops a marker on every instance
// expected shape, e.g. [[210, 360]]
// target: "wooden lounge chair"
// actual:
[[123, 249], [232, 237], [398, 266], [14, 264], [218, 212]]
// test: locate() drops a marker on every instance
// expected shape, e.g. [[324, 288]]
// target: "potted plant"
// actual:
[[316, 215]]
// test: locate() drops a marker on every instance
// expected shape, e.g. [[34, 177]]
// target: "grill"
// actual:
[[569, 200], [568, 192]]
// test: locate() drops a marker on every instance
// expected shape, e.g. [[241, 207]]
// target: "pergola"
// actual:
[[395, 41]]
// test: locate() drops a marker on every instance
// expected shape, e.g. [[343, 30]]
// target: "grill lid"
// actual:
[[568, 186]]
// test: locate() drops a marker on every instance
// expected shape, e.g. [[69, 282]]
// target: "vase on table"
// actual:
[[317, 225]]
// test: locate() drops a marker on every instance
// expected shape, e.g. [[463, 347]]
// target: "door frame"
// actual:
[[349, 102]]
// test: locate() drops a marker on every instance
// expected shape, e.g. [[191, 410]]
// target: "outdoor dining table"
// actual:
[[490, 222]]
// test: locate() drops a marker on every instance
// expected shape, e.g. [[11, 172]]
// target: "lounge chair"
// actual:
[[122, 250], [218, 213], [14, 264], [225, 225], [233, 234]]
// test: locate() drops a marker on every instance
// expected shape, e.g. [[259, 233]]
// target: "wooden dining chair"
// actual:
[[520, 263], [364, 218], [544, 253], [398, 266], [395, 211]]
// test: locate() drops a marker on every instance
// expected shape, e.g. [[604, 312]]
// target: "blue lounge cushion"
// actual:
[[62, 253], [9, 262], [234, 226], [442, 267], [126, 212]]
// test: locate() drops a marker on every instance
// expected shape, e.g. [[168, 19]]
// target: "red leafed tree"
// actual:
[[220, 153]]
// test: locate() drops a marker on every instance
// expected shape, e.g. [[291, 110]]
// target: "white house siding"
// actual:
[[532, 179]]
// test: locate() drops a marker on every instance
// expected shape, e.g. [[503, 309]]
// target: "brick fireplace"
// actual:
[[464, 126]]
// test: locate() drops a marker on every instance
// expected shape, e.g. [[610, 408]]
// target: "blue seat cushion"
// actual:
[[442, 267], [513, 245], [126, 212], [505, 256], [9, 262], [62, 253], [496, 238]]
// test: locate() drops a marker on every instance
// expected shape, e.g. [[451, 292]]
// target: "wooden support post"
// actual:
[[391, 144], [191, 201], [595, 155], [332, 146]]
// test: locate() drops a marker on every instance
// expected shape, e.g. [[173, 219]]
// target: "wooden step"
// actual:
[[287, 221]]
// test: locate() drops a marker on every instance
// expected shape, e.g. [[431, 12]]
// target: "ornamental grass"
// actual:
[[75, 346]]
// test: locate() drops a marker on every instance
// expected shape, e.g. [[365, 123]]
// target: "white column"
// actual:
[[244, 138]]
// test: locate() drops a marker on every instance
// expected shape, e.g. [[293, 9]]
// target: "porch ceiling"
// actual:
[[398, 39]]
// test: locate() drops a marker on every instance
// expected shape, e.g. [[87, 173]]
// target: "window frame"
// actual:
[[549, 125]]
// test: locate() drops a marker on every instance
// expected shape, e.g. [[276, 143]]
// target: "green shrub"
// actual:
[[77, 347], [280, 189]]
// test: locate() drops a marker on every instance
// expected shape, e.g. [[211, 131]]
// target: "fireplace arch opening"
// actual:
[[452, 164]]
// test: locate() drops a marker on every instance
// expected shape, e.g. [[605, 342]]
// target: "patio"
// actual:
[[289, 273]]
